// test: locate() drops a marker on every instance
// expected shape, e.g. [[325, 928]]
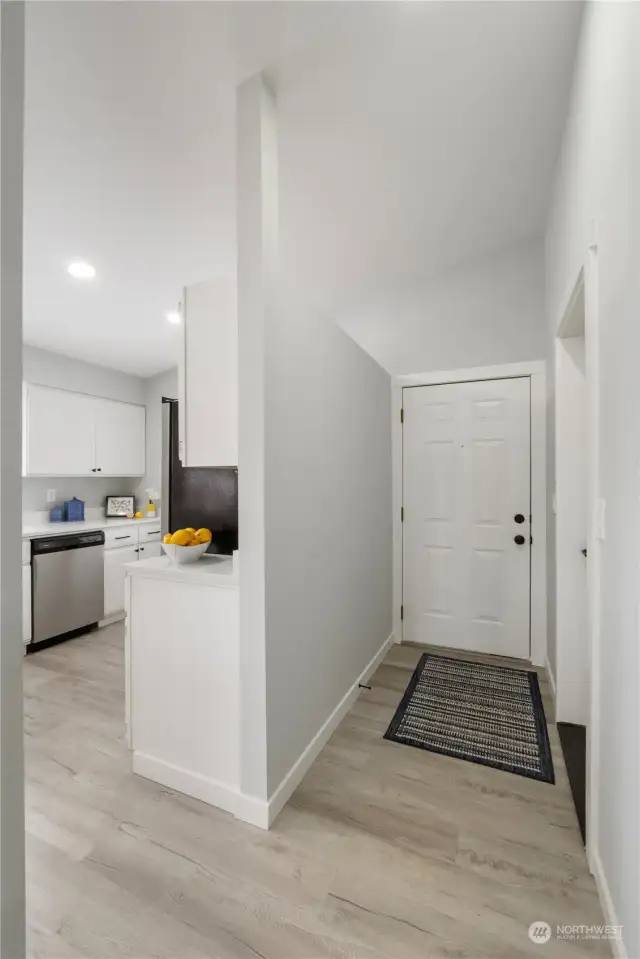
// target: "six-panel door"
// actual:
[[466, 477]]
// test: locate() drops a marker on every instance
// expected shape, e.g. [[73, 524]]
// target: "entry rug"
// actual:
[[492, 715]]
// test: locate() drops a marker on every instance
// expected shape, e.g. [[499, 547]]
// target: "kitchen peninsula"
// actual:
[[182, 677]]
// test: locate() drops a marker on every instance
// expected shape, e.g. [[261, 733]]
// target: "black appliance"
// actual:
[[196, 496]]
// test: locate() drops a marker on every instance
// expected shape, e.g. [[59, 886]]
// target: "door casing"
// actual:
[[585, 292], [536, 371]]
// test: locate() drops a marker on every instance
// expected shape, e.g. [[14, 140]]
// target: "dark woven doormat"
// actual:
[[492, 715]]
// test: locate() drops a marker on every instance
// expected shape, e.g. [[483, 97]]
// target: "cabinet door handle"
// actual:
[[123, 537]]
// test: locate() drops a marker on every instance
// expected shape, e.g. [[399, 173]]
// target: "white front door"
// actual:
[[466, 483]]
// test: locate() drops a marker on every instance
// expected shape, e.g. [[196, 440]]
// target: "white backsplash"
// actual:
[[93, 491], [38, 516]]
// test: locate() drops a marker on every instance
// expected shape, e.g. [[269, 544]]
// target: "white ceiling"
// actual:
[[413, 136]]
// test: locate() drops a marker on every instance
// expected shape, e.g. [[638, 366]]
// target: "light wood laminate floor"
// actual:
[[383, 851]]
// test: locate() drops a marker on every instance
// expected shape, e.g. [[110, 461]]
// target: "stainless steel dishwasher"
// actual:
[[67, 583]]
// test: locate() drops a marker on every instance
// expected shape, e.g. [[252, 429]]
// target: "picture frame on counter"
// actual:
[[118, 506]]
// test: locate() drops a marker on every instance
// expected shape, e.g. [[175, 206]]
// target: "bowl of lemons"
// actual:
[[186, 545]]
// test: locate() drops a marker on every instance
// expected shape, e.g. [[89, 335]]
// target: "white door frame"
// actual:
[[536, 371], [586, 286]]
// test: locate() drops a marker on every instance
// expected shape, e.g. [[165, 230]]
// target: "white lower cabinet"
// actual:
[[115, 561], [150, 551], [125, 544]]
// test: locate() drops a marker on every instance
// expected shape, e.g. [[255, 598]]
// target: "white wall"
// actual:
[[164, 384], [598, 199], [488, 311], [314, 488], [328, 525], [12, 885], [64, 372]]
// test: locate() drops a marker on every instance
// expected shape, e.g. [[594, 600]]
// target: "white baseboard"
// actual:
[[552, 681], [212, 791], [304, 762], [114, 618], [610, 914], [226, 796]]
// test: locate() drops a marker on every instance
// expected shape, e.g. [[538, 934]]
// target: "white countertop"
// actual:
[[59, 529], [209, 570]]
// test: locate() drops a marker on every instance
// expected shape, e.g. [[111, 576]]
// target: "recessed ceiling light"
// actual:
[[81, 270], [174, 317]]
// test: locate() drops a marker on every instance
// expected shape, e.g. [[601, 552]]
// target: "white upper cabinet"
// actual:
[[58, 433], [120, 438], [72, 434], [208, 375]]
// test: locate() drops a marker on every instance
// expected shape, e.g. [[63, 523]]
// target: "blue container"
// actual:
[[56, 514], [74, 510]]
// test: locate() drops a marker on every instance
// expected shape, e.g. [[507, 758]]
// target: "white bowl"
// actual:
[[184, 554]]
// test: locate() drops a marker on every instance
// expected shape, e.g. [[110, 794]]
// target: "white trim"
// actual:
[[536, 371], [592, 355], [539, 514], [251, 809], [585, 293], [606, 901], [113, 618], [472, 375], [396, 500], [313, 750], [211, 791]]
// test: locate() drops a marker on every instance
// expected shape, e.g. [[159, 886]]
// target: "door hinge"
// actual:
[[402, 415], [402, 612], [402, 514]]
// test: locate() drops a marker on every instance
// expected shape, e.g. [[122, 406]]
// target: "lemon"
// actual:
[[203, 535], [138, 515], [181, 538], [166, 539]]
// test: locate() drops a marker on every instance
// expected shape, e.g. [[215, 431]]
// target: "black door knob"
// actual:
[[519, 518], [519, 540]]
